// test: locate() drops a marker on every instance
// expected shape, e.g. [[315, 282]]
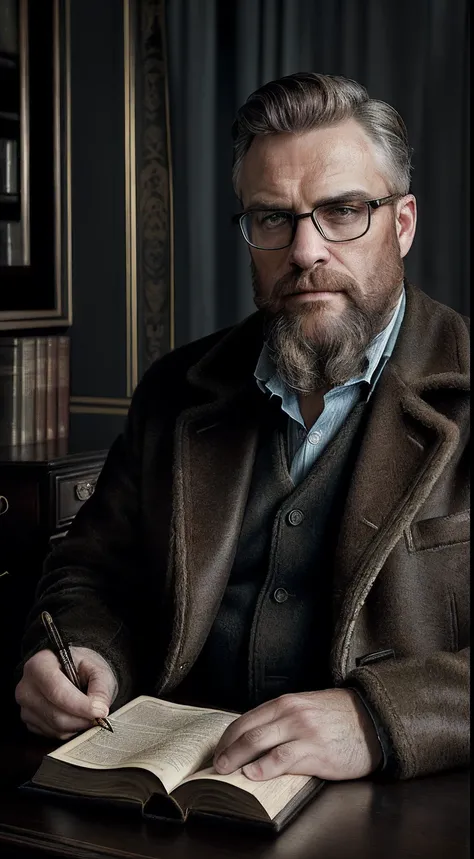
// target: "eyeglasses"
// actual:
[[340, 221]]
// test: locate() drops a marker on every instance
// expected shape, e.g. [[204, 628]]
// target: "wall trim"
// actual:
[[97, 410], [130, 197]]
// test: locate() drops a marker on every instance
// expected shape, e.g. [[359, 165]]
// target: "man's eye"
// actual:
[[343, 212], [274, 219]]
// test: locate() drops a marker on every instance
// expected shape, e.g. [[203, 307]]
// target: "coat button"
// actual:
[[280, 595], [295, 517], [183, 666]]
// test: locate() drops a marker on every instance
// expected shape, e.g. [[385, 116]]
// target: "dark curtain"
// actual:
[[413, 54]]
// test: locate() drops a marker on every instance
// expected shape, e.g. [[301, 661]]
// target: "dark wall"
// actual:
[[413, 55], [98, 334]]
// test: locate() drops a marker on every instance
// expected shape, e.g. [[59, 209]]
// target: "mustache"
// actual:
[[307, 281]]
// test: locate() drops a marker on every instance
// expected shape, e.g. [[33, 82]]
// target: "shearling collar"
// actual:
[[433, 349]]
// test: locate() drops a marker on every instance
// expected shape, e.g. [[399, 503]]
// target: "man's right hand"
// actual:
[[51, 705]]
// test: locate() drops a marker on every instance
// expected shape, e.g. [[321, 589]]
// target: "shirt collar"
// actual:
[[377, 354]]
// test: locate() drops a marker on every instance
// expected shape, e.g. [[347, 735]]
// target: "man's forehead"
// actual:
[[322, 155]]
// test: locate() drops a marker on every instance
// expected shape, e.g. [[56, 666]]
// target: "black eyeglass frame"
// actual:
[[372, 205]]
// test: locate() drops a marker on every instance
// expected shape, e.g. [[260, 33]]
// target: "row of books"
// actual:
[[34, 389]]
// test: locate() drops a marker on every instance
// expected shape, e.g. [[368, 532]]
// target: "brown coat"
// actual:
[[143, 571]]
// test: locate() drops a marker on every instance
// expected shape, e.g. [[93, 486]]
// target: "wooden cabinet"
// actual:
[[41, 490]]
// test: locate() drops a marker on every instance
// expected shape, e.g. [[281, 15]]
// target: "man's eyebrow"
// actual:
[[353, 194]]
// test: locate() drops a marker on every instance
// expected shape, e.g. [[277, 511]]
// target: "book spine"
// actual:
[[8, 27], [27, 389], [51, 387], [9, 394], [40, 393], [63, 386]]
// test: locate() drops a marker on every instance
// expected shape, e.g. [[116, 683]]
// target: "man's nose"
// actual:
[[309, 247]]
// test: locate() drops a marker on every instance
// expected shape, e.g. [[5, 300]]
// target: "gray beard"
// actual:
[[338, 354]]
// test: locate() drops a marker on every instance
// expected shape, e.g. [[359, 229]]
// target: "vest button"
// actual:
[[280, 595], [295, 517]]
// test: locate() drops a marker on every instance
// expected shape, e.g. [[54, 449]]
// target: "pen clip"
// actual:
[[52, 632]]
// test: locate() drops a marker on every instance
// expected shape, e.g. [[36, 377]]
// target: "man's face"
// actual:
[[329, 298]]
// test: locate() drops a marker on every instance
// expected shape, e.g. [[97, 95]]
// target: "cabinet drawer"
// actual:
[[72, 491]]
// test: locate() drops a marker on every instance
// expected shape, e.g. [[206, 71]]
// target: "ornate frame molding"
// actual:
[[154, 186], [149, 269]]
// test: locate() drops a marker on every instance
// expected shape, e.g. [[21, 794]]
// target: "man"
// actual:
[[282, 528]]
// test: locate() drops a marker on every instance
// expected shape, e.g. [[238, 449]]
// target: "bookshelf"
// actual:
[[34, 166]]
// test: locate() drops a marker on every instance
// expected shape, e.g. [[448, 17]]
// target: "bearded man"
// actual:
[[282, 528]]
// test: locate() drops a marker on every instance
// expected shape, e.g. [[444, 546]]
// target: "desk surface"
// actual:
[[422, 819]]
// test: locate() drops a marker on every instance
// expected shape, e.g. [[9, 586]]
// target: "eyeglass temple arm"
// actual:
[[382, 201]]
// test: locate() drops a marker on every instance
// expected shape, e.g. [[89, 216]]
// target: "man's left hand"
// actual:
[[328, 734]]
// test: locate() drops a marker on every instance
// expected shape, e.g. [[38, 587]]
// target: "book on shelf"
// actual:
[[159, 760], [63, 387], [17, 390], [9, 391], [51, 387], [34, 389], [27, 390], [40, 392]]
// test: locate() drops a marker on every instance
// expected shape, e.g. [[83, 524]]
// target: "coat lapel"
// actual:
[[412, 433], [406, 446], [215, 447]]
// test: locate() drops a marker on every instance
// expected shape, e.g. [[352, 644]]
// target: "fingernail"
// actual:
[[251, 771], [99, 709], [222, 762]]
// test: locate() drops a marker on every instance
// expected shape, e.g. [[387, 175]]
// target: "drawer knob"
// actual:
[[85, 489], [4, 505]]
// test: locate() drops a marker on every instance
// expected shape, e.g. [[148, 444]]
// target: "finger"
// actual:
[[35, 723], [264, 714], [253, 743], [58, 722], [37, 726], [44, 678], [294, 758], [101, 689], [35, 698]]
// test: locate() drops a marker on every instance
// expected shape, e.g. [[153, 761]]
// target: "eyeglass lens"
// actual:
[[271, 230]]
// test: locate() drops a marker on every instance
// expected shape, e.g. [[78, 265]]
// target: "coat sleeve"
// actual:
[[88, 580], [423, 704]]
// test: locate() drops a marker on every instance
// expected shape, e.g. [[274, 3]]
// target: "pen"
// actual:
[[64, 655]]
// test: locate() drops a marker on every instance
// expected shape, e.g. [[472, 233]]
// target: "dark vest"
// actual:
[[273, 630]]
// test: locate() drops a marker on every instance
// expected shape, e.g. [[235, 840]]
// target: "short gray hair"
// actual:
[[306, 100]]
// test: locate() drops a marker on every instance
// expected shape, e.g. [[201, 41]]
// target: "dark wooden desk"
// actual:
[[421, 819]]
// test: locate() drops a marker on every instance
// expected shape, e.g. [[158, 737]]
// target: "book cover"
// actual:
[[51, 387], [63, 386]]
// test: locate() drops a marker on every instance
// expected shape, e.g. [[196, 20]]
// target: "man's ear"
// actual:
[[406, 223]]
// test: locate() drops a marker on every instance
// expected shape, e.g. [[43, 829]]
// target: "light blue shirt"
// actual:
[[305, 446]]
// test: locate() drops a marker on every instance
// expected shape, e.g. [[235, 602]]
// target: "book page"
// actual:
[[273, 794], [169, 740]]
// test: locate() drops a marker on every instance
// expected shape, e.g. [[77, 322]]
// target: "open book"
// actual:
[[160, 758]]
